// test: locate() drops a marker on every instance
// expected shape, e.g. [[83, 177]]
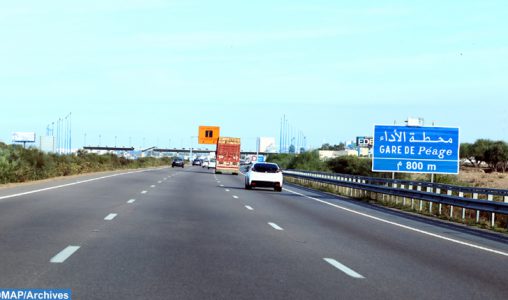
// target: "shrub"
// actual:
[[307, 161], [282, 159], [351, 165], [18, 164]]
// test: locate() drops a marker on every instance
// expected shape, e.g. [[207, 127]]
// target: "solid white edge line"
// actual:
[[131, 201], [248, 207], [71, 184], [64, 254], [275, 226], [343, 268], [402, 226], [110, 217]]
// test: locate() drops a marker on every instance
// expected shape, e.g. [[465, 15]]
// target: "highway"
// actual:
[[190, 234]]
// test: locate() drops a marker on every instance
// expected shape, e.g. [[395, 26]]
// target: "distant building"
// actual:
[[364, 152], [329, 154], [47, 143]]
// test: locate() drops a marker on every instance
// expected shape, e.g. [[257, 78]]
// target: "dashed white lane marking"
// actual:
[[110, 217], [402, 226], [152, 186], [70, 184], [343, 268], [248, 207], [221, 185], [275, 226], [227, 190], [159, 182], [64, 254], [236, 197], [131, 201], [144, 192]]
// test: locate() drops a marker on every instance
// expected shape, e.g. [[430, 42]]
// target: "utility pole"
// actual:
[[70, 132]]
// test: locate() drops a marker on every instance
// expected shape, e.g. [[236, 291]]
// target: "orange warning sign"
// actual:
[[208, 134]]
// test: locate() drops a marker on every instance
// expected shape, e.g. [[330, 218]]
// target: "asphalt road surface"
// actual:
[[190, 234]]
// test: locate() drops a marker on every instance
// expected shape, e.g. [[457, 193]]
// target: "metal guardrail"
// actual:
[[381, 186], [385, 181]]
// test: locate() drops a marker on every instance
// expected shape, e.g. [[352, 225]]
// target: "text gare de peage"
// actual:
[[412, 150], [424, 144]]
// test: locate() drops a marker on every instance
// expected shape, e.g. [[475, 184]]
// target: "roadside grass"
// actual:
[[18, 164]]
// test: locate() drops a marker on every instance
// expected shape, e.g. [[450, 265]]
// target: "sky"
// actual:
[[149, 72]]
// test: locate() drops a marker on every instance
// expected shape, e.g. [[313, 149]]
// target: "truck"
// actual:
[[228, 155]]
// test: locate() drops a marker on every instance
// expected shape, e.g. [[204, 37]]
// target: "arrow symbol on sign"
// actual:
[[399, 164]]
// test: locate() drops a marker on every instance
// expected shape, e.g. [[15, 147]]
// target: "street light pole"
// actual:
[[70, 133], [190, 151]]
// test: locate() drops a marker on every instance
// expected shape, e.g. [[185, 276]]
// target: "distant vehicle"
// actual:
[[197, 162], [205, 163], [267, 175], [177, 162], [228, 155], [212, 163]]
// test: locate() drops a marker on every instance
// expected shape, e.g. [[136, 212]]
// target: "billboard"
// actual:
[[23, 137], [364, 141], [267, 145], [416, 149], [208, 134]]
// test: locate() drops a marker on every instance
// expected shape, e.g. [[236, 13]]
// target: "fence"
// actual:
[[455, 202]]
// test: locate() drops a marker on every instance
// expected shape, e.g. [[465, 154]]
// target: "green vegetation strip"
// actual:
[[20, 165], [353, 165]]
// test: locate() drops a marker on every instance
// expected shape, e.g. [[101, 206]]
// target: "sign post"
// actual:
[[407, 149]]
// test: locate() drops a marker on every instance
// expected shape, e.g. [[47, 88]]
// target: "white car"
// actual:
[[204, 164], [262, 174], [211, 163]]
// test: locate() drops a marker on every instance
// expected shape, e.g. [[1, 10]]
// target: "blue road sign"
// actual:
[[416, 149]]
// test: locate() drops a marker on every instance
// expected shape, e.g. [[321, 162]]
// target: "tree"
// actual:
[[329, 147], [479, 148], [292, 149], [496, 155], [326, 146], [466, 152]]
